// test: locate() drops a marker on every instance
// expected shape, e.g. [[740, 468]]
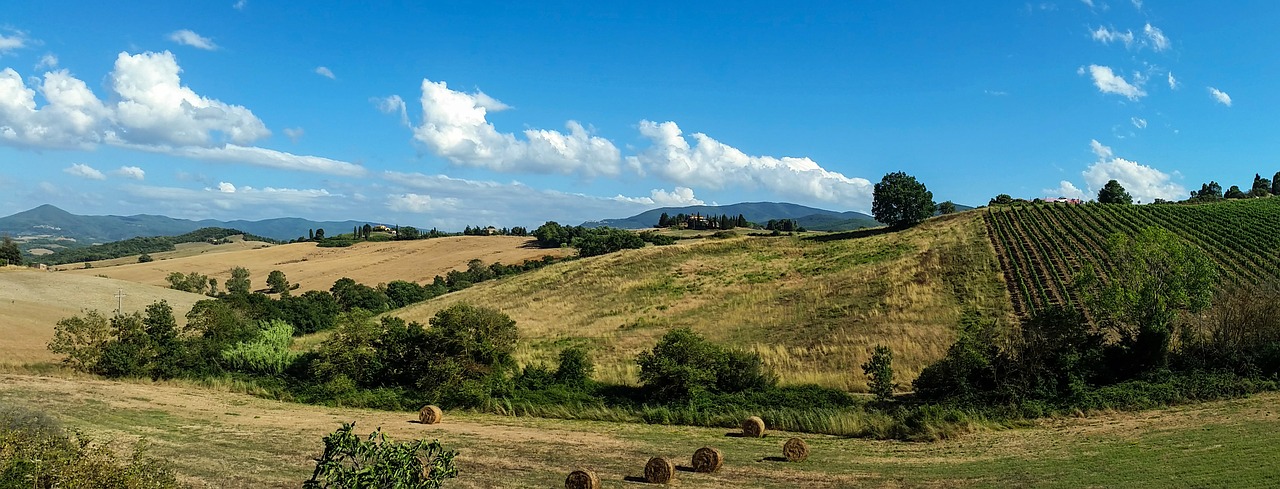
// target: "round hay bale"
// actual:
[[753, 427], [659, 470], [707, 460], [795, 450], [582, 479], [430, 414]]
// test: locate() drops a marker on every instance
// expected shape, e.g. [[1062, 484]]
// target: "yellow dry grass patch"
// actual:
[[812, 308], [315, 268], [181, 250], [32, 302]]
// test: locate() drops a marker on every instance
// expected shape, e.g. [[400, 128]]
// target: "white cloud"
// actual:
[[1138, 122], [228, 201], [1109, 82], [240, 4], [84, 171], [419, 204], [392, 105], [294, 133], [1065, 189], [1137, 4], [1173, 82], [1144, 183], [1220, 96], [717, 165], [190, 38], [133, 172], [1155, 38], [17, 40], [678, 197], [226, 188], [1107, 36], [72, 116], [454, 127], [995, 93], [256, 156], [325, 72], [48, 62]]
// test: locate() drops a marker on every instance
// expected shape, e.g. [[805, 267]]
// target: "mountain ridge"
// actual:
[[757, 212]]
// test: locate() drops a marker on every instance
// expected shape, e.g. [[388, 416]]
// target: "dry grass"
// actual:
[[813, 309], [32, 302], [181, 250], [315, 268]]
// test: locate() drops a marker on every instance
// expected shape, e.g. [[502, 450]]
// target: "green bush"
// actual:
[[376, 461], [268, 353], [879, 370], [683, 366]]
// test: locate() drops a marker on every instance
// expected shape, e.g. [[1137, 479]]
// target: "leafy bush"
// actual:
[[575, 367], [683, 366], [268, 353], [879, 369], [376, 461]]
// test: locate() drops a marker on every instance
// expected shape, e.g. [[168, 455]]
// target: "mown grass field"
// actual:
[[813, 306], [220, 439]]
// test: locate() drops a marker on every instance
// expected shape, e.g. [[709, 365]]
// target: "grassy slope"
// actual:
[[317, 268], [812, 308], [31, 302], [218, 439]]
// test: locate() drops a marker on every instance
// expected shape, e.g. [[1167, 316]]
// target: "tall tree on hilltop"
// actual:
[[1114, 193], [1235, 193], [1275, 184], [900, 201], [1261, 186]]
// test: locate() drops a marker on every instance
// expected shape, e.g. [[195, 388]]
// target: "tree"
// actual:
[[947, 207], [1157, 275], [1261, 186], [575, 367], [1209, 192], [81, 340], [9, 252], [278, 283], [879, 370], [408, 232], [145, 258], [900, 201], [1235, 193], [664, 221], [1275, 184], [684, 366], [239, 281], [1002, 199], [1114, 193], [366, 231], [349, 462], [167, 351], [320, 233]]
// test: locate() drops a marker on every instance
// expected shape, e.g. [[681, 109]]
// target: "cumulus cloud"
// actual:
[[1109, 82], [188, 37], [680, 196], [72, 116], [1144, 183], [325, 72], [47, 62], [419, 204], [294, 133], [133, 172], [84, 171], [709, 162], [454, 127], [1107, 36], [226, 188], [1220, 96], [1065, 189], [1155, 38]]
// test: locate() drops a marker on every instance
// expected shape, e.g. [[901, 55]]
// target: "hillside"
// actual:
[[32, 301], [315, 268], [812, 306], [1042, 246], [52, 223], [757, 212]]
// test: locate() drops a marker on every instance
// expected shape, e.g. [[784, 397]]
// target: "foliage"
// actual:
[[277, 282], [1235, 193], [599, 241], [10, 254], [1114, 193], [144, 245], [310, 311], [81, 340], [193, 282], [575, 367], [145, 258], [900, 201], [267, 353], [657, 239], [1261, 186], [684, 366], [1209, 192], [239, 283], [1002, 199], [879, 369], [35, 451], [947, 207], [353, 295], [351, 462]]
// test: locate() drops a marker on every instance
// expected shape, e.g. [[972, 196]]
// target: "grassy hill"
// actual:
[[757, 212], [1042, 246], [813, 305], [32, 302], [315, 268]]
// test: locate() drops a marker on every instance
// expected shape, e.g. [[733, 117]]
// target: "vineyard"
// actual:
[[1041, 247]]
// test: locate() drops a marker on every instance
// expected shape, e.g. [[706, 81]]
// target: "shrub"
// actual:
[[683, 367], [268, 353], [376, 461], [575, 367], [879, 369]]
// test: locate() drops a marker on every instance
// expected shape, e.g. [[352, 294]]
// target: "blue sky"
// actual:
[[467, 113]]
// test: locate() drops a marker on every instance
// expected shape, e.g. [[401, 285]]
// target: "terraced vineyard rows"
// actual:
[[1042, 247]]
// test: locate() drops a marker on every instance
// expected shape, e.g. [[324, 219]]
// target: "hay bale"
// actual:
[[795, 450], [430, 414], [707, 460], [582, 479], [659, 470], [753, 427]]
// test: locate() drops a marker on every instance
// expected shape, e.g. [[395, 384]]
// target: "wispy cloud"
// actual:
[[1155, 38], [1220, 96], [240, 4], [188, 37], [325, 72], [1107, 36], [15, 40], [133, 172], [294, 133], [84, 171], [1173, 82], [47, 62], [1138, 122], [1109, 82]]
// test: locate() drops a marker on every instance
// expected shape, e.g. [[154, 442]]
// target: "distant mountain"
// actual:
[[54, 222], [757, 212]]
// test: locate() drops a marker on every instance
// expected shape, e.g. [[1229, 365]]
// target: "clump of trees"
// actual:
[[588, 241], [699, 222], [900, 201], [10, 254]]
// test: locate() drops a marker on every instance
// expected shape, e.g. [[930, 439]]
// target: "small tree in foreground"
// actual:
[[376, 461], [879, 370]]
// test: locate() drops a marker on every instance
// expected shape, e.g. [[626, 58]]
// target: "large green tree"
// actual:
[[1235, 193], [1114, 193], [900, 201], [9, 252]]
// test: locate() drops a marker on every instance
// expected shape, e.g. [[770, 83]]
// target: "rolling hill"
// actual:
[[757, 212]]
